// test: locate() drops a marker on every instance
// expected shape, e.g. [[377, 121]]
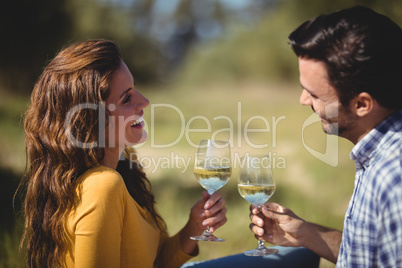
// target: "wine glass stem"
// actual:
[[260, 244], [207, 232]]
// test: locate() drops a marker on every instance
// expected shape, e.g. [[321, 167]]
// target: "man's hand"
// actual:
[[280, 226], [277, 225]]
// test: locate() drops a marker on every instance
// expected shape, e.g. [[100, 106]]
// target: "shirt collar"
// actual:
[[365, 149]]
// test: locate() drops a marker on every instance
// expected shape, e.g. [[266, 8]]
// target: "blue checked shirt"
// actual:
[[372, 234]]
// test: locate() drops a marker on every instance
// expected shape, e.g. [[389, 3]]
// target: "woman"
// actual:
[[84, 207]]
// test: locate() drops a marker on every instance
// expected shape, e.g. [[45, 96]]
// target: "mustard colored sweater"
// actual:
[[109, 229]]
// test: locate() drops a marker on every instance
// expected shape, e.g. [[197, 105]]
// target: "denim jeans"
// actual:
[[286, 258]]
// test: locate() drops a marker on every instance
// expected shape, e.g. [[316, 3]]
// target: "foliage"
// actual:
[[31, 30], [260, 51], [305, 9], [94, 19], [224, 43], [34, 30], [10, 227], [244, 63]]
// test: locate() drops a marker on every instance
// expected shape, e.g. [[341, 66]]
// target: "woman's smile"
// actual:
[[138, 123]]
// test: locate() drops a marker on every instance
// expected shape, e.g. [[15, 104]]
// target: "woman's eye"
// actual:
[[127, 99]]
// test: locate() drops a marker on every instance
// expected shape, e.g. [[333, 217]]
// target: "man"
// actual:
[[350, 65]]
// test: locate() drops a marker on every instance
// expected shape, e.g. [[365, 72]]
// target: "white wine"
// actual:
[[213, 179], [256, 194]]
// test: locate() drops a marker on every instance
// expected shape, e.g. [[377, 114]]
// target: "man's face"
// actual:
[[323, 99]]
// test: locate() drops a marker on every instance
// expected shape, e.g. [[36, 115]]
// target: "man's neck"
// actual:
[[369, 122]]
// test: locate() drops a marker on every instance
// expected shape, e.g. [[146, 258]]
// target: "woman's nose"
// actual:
[[142, 102]]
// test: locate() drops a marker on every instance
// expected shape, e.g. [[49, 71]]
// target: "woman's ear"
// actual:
[[362, 104]]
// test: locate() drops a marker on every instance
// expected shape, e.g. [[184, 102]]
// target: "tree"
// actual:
[[31, 31]]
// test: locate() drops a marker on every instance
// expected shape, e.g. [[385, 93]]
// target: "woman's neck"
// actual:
[[111, 157]]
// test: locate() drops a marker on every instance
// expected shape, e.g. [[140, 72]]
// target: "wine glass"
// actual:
[[256, 185], [212, 169]]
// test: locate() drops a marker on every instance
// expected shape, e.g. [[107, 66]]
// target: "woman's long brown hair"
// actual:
[[63, 134]]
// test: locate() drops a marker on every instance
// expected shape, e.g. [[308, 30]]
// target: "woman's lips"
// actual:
[[139, 122]]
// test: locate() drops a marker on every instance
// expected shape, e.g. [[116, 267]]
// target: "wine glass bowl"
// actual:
[[212, 169], [256, 185], [212, 179]]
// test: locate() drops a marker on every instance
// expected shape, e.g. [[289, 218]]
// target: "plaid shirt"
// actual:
[[372, 234]]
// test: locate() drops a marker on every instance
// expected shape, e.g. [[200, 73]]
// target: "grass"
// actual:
[[313, 189], [12, 161]]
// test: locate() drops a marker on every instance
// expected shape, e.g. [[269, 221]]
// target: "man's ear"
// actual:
[[362, 104]]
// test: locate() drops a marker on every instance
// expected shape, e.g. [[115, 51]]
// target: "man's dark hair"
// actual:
[[362, 51]]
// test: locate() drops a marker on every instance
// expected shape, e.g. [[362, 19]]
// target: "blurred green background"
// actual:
[[224, 62]]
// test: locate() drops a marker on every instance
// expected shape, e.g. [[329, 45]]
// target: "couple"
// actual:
[[84, 207]]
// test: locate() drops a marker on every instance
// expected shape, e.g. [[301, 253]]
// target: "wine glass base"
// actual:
[[210, 238], [261, 252]]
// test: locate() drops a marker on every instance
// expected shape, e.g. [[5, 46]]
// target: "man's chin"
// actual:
[[330, 128]]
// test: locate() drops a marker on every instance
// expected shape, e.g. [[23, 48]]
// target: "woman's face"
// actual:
[[125, 105]]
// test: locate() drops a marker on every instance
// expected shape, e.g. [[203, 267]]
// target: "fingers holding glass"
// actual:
[[212, 169], [256, 185]]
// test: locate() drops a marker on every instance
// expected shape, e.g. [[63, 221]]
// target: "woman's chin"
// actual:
[[138, 140]]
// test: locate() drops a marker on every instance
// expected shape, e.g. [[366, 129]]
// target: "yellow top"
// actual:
[[109, 229]]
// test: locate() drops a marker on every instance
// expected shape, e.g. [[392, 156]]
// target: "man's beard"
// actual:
[[341, 125]]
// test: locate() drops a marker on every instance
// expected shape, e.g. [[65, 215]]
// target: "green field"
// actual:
[[249, 115], [315, 190]]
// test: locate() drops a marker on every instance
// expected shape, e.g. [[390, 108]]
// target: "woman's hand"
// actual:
[[209, 211]]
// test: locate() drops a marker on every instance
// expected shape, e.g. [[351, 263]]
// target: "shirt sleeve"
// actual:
[[98, 221], [170, 253], [390, 214]]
